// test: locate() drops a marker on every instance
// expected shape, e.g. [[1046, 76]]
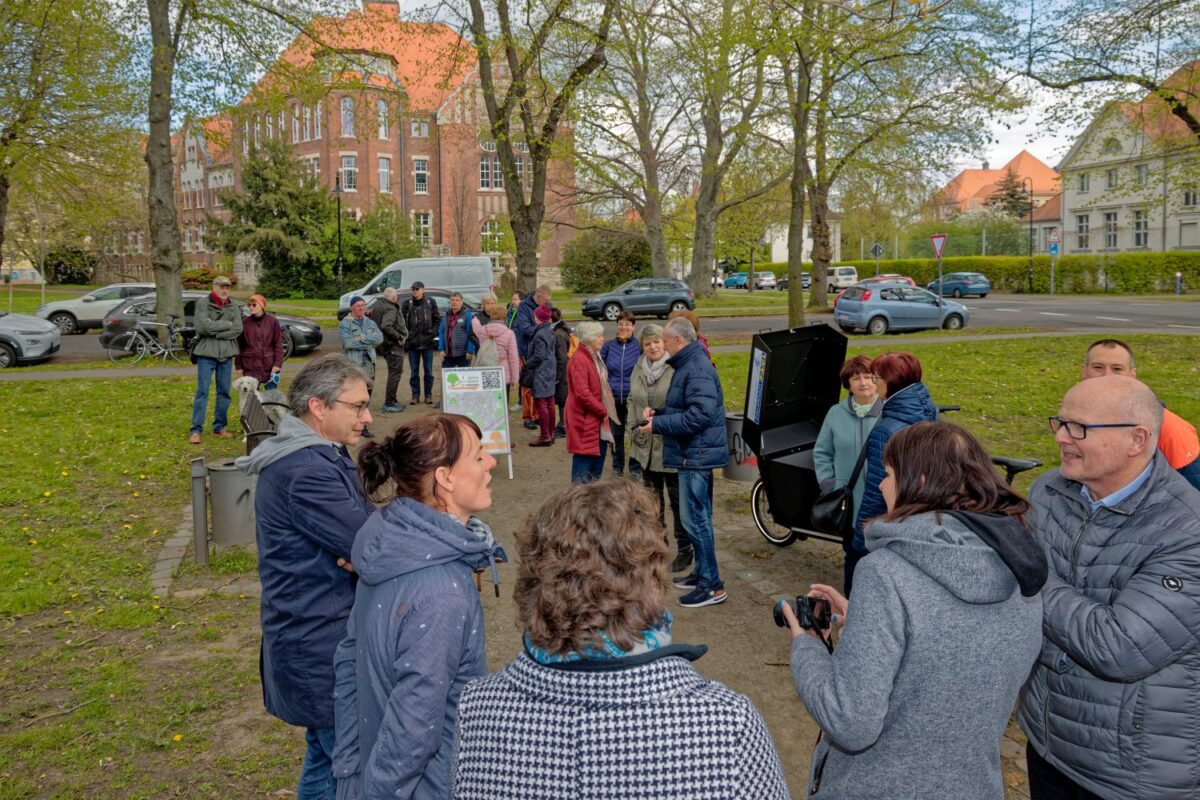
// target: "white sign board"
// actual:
[[758, 368], [479, 394], [939, 244]]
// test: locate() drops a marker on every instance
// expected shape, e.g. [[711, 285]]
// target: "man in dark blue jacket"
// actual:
[[692, 424], [309, 505], [523, 328]]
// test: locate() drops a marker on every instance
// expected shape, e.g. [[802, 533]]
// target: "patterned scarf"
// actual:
[[610, 405], [654, 369], [604, 648]]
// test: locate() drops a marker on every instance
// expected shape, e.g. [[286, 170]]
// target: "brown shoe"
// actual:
[[428, 401], [194, 438], [540, 442], [223, 434]]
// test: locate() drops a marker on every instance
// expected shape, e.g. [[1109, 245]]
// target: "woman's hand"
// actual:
[[838, 604], [793, 623]]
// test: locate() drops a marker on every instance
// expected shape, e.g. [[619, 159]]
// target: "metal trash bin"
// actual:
[[231, 493], [792, 383], [743, 463]]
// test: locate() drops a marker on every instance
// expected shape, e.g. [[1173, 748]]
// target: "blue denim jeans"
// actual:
[[205, 368], [585, 469], [415, 359], [695, 506], [316, 775]]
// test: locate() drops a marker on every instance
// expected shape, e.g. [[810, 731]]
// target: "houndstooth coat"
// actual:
[[646, 727]]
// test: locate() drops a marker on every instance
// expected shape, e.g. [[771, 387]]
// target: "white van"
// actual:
[[841, 277], [471, 275]]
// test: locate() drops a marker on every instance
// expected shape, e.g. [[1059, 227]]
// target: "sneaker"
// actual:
[[682, 561], [515, 407], [686, 582], [531, 425], [391, 408], [560, 432], [703, 597]]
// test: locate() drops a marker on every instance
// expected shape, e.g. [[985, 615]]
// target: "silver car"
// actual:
[[81, 313], [25, 339]]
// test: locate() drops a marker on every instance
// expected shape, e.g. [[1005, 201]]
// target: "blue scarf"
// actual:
[[604, 648]]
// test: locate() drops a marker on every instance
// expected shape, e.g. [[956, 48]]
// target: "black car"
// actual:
[[300, 333], [805, 282], [644, 297]]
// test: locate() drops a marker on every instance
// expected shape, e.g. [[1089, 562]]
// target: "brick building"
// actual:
[[389, 109]]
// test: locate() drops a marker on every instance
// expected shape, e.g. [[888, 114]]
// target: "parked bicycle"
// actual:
[[167, 340]]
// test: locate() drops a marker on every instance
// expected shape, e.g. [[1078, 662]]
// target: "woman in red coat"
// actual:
[[590, 406], [260, 347]]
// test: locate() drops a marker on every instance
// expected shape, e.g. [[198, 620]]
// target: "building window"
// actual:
[[485, 172], [191, 151], [282, 129], [421, 227], [245, 137], [295, 124], [1081, 231], [520, 147], [257, 131], [350, 173], [1190, 196], [200, 245], [1110, 179], [307, 124], [1142, 172], [419, 128], [347, 117], [489, 236], [1085, 182], [524, 169], [382, 111], [420, 176], [317, 121], [1141, 229], [497, 175], [487, 145], [310, 169], [270, 126], [1110, 230], [385, 174]]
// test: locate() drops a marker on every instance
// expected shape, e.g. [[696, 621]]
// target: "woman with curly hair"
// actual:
[[601, 703]]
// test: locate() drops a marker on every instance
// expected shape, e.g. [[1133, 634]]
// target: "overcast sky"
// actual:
[[1026, 130]]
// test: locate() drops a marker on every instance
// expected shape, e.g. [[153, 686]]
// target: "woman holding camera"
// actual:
[[601, 703], [945, 628]]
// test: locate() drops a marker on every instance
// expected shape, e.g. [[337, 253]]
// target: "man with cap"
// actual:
[[422, 318], [260, 347], [360, 336], [218, 322], [391, 323]]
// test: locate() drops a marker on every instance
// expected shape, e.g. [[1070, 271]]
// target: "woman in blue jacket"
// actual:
[[620, 356], [415, 635]]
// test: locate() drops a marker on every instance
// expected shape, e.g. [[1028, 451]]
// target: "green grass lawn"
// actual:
[[1007, 388], [26, 299]]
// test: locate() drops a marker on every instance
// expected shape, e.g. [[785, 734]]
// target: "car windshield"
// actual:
[[625, 285], [975, 276]]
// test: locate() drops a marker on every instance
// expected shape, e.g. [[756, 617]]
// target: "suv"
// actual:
[[81, 313], [25, 339], [643, 297]]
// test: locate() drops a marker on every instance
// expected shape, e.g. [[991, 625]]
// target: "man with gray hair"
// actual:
[[395, 333], [309, 505], [692, 424], [1109, 709]]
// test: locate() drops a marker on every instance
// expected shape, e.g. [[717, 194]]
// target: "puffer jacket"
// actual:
[[413, 640], [542, 361], [217, 328], [525, 323], [647, 448], [562, 354], [1114, 702], [506, 345], [585, 411], [692, 421], [910, 405], [619, 358], [843, 436]]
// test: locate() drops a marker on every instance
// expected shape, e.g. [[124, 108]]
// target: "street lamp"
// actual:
[[1027, 190], [337, 193]]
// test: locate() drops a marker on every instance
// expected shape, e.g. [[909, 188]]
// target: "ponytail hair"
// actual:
[[409, 457]]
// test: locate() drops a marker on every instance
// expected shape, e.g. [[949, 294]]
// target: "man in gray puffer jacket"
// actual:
[[1111, 708]]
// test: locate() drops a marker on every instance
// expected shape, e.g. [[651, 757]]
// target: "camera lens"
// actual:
[[777, 612]]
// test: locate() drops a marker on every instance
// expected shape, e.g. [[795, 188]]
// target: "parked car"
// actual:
[[644, 297], [80, 314], [764, 280], [962, 284], [737, 280], [26, 339], [841, 277], [300, 334], [874, 279], [881, 307], [471, 275], [805, 282]]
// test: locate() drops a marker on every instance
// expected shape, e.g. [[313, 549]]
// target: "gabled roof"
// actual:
[[973, 187], [218, 134], [1154, 116], [1049, 211]]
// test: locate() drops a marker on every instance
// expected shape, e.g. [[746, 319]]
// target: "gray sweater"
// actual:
[[937, 642]]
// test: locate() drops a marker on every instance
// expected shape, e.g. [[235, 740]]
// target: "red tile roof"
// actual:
[[972, 188], [1049, 211], [1154, 116]]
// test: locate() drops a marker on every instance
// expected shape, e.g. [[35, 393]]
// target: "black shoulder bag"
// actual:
[[833, 511]]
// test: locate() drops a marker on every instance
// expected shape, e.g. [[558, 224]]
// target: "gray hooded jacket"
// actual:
[[937, 642], [1114, 703]]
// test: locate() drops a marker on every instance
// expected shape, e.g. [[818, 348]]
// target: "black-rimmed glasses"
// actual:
[[1079, 430], [359, 408]]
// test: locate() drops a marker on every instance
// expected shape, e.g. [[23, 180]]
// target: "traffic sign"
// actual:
[[939, 244], [1052, 237], [877, 251], [1053, 248]]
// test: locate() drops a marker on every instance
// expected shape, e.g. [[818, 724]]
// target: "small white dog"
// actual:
[[272, 403]]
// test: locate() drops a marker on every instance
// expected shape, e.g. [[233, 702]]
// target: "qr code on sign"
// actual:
[[493, 380]]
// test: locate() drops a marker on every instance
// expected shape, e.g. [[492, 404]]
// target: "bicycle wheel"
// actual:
[[175, 349], [127, 348], [773, 532]]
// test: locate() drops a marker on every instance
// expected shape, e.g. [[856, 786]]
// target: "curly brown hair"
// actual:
[[592, 559]]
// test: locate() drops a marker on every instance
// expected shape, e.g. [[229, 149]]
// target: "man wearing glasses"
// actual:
[[309, 505], [1110, 707]]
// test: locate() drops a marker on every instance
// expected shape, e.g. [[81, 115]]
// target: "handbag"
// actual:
[[833, 511]]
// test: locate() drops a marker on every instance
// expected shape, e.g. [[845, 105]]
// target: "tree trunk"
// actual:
[[526, 225], [660, 267], [164, 226], [4, 216], [799, 88], [822, 246], [704, 239], [818, 191]]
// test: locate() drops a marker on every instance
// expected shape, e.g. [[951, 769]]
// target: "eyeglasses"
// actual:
[[1079, 430], [252, 304], [359, 408]]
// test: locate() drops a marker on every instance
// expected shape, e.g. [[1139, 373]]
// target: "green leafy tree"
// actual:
[[1010, 196], [599, 260], [369, 244]]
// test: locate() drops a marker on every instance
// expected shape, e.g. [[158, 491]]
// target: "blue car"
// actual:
[[962, 284], [881, 307], [737, 280]]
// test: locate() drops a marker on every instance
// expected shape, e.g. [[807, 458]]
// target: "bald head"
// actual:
[[1122, 418], [1125, 397]]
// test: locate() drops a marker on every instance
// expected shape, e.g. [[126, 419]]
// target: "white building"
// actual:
[[777, 237]]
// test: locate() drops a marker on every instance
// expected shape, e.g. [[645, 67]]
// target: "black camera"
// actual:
[[811, 612]]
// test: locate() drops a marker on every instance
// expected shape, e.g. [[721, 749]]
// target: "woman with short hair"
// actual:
[[947, 624], [601, 703], [415, 634], [590, 406], [620, 355]]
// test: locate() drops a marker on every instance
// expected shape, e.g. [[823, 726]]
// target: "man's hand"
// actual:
[[346, 565], [647, 426], [647, 413]]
